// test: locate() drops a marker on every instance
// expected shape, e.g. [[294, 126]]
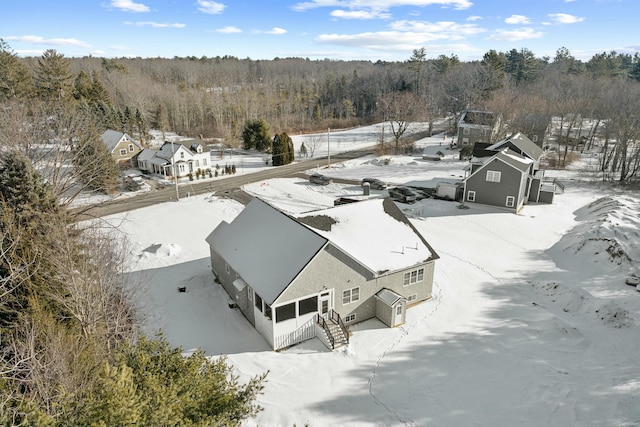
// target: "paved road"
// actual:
[[227, 187]]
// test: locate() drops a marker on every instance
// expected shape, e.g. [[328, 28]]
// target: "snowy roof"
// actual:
[[388, 296], [265, 247], [374, 232], [168, 149], [514, 159], [112, 138], [507, 156], [522, 143], [146, 154]]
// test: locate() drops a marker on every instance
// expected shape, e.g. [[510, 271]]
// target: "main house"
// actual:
[[178, 158], [121, 146], [298, 277], [507, 174], [478, 126]]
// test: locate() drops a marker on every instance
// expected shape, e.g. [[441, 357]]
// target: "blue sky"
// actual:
[[387, 30]]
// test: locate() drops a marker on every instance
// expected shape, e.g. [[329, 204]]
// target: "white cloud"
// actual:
[[515, 35], [380, 4], [565, 18], [118, 47], [517, 19], [474, 18], [442, 29], [229, 30], [276, 31], [51, 42], [210, 7], [360, 14], [156, 24], [129, 6]]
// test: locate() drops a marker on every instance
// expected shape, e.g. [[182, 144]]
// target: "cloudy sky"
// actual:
[[387, 30]]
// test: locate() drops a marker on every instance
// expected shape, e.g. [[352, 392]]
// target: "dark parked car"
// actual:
[[374, 183], [402, 194], [317, 178]]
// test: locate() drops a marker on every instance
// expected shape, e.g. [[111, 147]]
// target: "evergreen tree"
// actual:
[[277, 151], [153, 384], [82, 86], [15, 79], [94, 165], [22, 187], [140, 125], [256, 135], [53, 78], [292, 154]]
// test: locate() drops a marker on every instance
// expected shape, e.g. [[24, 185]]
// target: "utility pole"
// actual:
[[173, 168], [328, 148]]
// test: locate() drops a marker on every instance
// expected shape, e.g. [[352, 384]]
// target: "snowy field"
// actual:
[[531, 322]]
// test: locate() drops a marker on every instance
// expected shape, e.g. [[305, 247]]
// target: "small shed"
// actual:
[[390, 307], [449, 190]]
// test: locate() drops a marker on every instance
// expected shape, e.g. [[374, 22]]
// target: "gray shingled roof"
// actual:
[[267, 248]]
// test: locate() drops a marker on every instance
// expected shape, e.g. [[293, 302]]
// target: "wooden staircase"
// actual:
[[335, 329]]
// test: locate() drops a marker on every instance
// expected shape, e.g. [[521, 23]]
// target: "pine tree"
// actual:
[[256, 135], [15, 79], [21, 186], [53, 78], [94, 165], [277, 154], [153, 384]]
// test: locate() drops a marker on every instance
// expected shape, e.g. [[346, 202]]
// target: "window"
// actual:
[[471, 196], [267, 310], [197, 163], [414, 276], [250, 294], [399, 310], [535, 138], [181, 167], [350, 295], [123, 152], [412, 297], [465, 131], [130, 147], [350, 318], [309, 305], [258, 302], [511, 201], [181, 155], [286, 312], [204, 162], [493, 176], [226, 268]]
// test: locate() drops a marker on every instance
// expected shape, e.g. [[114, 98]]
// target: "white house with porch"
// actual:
[[184, 157]]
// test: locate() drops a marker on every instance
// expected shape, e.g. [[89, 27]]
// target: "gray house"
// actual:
[[501, 180], [295, 278], [518, 146], [478, 126]]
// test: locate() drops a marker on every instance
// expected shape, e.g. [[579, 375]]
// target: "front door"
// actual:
[[324, 304], [397, 318]]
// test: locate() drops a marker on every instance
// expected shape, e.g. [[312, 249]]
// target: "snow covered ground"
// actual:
[[531, 322]]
